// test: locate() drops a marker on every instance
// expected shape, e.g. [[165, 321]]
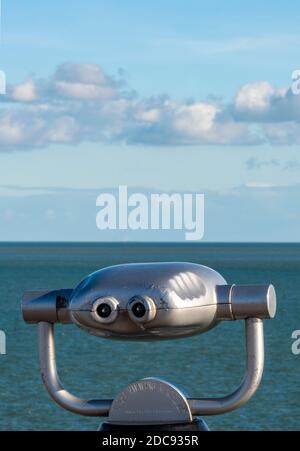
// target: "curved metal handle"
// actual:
[[252, 378], [205, 406], [94, 408]]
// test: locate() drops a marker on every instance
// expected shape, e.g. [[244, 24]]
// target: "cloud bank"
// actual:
[[80, 103]]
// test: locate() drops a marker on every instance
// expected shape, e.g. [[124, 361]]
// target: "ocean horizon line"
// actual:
[[148, 243]]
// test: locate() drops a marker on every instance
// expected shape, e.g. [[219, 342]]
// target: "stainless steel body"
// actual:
[[184, 300], [177, 299], [150, 398], [152, 301]]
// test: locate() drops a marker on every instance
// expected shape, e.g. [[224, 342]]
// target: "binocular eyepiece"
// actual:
[[150, 301], [105, 310], [140, 309]]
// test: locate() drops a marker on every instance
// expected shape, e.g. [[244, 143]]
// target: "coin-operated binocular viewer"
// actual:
[[152, 302]]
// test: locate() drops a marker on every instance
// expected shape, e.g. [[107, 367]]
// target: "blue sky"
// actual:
[[179, 96]]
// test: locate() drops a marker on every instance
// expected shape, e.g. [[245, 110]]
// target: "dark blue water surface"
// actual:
[[208, 365]]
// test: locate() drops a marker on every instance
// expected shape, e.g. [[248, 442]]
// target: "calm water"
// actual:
[[208, 365]]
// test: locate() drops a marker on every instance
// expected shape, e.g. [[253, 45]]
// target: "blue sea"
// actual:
[[207, 365]]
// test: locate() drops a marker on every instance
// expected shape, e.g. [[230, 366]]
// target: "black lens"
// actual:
[[104, 310], [139, 310]]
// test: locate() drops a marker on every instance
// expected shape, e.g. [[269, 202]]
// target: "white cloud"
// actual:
[[83, 82], [83, 91], [254, 97], [195, 119], [261, 102], [90, 74], [25, 92], [11, 132], [64, 130], [81, 103], [150, 116], [260, 185]]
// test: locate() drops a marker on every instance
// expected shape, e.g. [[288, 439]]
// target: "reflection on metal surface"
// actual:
[[150, 401], [180, 299], [151, 301]]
